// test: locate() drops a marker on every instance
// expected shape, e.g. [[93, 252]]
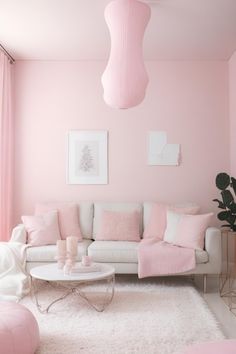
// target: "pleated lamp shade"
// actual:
[[125, 78]]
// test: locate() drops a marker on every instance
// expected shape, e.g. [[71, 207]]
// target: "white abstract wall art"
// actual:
[[87, 157], [160, 152]]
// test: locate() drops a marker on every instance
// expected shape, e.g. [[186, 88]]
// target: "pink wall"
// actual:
[[187, 99], [232, 113]]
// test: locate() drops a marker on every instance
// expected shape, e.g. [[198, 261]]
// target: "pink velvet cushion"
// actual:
[[42, 229], [67, 216], [19, 331], [191, 229], [119, 226], [227, 346], [157, 223]]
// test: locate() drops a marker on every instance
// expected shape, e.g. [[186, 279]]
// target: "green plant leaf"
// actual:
[[227, 197], [222, 180], [223, 215], [227, 216], [231, 219], [221, 204], [232, 208], [233, 184]]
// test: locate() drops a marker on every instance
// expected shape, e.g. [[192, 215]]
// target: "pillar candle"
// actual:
[[86, 261], [61, 248], [71, 245]]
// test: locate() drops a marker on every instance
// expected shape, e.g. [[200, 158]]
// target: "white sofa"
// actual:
[[120, 254]]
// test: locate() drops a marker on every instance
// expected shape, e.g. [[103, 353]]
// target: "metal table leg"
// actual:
[[77, 290]]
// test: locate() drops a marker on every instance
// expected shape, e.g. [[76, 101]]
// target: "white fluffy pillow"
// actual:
[[173, 220]]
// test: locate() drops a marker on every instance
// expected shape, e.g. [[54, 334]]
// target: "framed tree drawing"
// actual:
[[87, 157]]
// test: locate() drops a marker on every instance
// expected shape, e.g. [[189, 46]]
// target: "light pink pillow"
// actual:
[[68, 218], [157, 223], [119, 226], [42, 229], [191, 229]]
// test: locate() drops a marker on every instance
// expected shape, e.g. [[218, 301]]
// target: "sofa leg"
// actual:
[[191, 277], [205, 283]]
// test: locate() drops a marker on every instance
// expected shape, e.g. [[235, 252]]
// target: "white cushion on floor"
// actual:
[[48, 253]]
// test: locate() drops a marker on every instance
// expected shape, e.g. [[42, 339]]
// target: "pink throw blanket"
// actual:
[[157, 257]]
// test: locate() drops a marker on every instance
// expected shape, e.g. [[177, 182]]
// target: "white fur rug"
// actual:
[[144, 317]]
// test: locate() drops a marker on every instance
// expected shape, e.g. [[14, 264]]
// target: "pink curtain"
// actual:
[[6, 148]]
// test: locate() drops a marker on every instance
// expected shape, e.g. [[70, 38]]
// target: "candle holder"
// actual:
[[70, 263], [61, 260], [86, 261], [61, 253]]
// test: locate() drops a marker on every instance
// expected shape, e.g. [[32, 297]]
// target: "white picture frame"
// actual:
[[87, 157]]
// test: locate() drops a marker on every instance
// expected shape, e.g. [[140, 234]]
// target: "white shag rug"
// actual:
[[144, 317]]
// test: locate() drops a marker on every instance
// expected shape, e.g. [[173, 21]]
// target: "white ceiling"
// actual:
[[75, 29]]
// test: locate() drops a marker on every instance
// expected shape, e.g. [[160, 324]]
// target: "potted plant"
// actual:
[[227, 186]]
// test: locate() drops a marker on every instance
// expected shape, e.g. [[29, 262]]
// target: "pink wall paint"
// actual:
[[187, 99], [232, 113]]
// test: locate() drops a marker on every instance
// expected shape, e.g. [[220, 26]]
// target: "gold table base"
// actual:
[[227, 279], [76, 289]]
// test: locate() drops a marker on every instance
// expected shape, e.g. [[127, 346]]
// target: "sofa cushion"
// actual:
[[191, 230], [86, 219], [156, 224], [125, 252], [68, 217], [114, 251], [85, 213], [119, 226], [48, 253], [42, 229], [122, 207]]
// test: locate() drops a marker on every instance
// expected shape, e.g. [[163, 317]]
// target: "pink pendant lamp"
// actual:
[[125, 79]]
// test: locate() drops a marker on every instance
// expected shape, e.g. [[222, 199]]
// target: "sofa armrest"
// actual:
[[213, 248], [18, 234]]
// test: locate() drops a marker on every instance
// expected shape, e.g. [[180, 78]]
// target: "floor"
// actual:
[[226, 319], [218, 307]]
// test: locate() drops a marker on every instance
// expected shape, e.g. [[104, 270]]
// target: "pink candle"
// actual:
[[86, 261], [61, 248], [71, 245]]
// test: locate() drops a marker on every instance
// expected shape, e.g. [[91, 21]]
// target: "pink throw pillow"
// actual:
[[119, 226], [158, 218], [68, 218], [42, 229], [191, 229]]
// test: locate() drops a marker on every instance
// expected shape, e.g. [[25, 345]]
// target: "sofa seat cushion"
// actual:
[[114, 251], [201, 256], [125, 252], [48, 253]]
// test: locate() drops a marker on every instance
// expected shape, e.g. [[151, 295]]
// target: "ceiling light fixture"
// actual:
[[125, 78]]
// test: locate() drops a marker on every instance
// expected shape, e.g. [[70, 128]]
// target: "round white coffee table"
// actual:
[[73, 283]]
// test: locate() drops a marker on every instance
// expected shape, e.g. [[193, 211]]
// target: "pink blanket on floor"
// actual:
[[157, 257]]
